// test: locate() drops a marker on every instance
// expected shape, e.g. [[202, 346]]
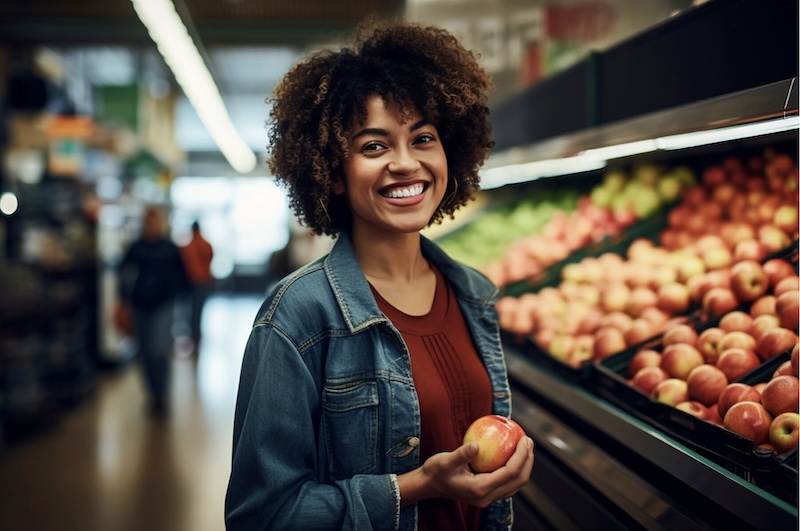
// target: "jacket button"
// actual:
[[413, 442]]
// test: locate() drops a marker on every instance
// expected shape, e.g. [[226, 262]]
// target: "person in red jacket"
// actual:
[[197, 255]]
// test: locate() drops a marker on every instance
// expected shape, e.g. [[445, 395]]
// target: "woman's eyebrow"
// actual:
[[377, 131]]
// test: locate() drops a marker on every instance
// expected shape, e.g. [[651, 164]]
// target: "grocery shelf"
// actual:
[[778, 100], [703, 491]]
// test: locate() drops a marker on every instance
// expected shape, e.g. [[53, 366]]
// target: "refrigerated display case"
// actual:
[[598, 466]]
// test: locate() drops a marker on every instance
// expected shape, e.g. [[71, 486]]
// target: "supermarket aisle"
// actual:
[[108, 466]]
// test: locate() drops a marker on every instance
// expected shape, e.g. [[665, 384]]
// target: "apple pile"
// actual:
[[710, 259], [611, 206], [565, 233]]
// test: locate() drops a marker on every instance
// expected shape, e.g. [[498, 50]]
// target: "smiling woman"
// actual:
[[373, 361]]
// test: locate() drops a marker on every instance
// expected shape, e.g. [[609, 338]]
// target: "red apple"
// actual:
[[736, 320], [773, 238], [708, 343], [641, 330], [784, 368], [608, 340], [762, 323], [748, 280], [647, 378], [784, 432], [712, 415], [496, 437], [673, 297], [719, 301], [680, 333], [787, 307], [693, 408], [775, 341], [583, 351], [717, 258], [641, 298], [705, 383], [671, 391], [643, 358], [781, 395], [713, 176], [615, 297], [657, 317], [679, 360], [736, 339], [619, 320], [736, 362], [750, 420], [734, 393], [561, 346], [785, 218], [790, 283], [777, 269], [763, 305], [751, 249]]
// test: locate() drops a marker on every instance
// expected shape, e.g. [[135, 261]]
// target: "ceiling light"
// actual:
[[724, 134], [181, 55]]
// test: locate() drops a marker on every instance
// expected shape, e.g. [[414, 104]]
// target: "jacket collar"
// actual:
[[354, 296]]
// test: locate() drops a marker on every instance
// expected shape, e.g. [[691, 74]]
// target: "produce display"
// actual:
[[706, 262]]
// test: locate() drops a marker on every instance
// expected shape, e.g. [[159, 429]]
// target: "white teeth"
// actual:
[[405, 192]]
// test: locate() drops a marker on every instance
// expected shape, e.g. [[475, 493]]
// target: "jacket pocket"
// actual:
[[350, 424]]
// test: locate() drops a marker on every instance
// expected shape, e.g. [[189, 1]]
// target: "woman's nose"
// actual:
[[403, 161]]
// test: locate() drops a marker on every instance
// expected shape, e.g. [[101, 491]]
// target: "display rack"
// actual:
[[651, 478]]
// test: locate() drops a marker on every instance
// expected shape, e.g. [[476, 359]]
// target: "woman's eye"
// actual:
[[372, 146], [424, 139]]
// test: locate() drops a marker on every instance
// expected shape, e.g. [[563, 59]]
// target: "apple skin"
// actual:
[[671, 392], [784, 368], [680, 333], [777, 269], [694, 408], [790, 283], [748, 280], [762, 324], [787, 306], [608, 340], [707, 343], [736, 320], [785, 218], [734, 393], [764, 305], [784, 432], [712, 415], [736, 339], [719, 301], [679, 360], [647, 378], [775, 341], [705, 383], [781, 395], [643, 358], [751, 420], [750, 249], [736, 362], [496, 437], [673, 297]]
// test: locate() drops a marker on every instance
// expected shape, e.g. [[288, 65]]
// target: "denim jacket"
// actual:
[[327, 414]]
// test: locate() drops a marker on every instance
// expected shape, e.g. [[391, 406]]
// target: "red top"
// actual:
[[453, 388], [197, 256]]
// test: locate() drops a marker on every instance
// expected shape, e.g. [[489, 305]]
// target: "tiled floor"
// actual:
[[108, 466]]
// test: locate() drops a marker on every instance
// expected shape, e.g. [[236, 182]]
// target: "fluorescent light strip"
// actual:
[[530, 171], [597, 158], [181, 55], [724, 134]]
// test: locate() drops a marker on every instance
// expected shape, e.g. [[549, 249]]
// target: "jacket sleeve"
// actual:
[[276, 480]]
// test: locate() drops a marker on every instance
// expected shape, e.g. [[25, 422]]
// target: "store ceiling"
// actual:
[[248, 44]]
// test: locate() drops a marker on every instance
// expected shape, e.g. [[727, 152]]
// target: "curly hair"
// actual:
[[319, 101]]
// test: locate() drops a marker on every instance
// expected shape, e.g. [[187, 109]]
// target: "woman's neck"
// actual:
[[396, 258]]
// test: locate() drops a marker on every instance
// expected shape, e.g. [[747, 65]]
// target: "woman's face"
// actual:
[[396, 172]]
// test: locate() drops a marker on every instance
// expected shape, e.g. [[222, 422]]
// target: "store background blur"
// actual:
[[93, 128]]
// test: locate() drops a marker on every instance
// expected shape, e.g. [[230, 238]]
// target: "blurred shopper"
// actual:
[[197, 255], [365, 368], [152, 274]]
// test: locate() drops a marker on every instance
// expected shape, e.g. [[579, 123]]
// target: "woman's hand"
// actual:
[[447, 475]]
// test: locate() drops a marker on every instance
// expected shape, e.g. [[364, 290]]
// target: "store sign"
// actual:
[[67, 136]]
